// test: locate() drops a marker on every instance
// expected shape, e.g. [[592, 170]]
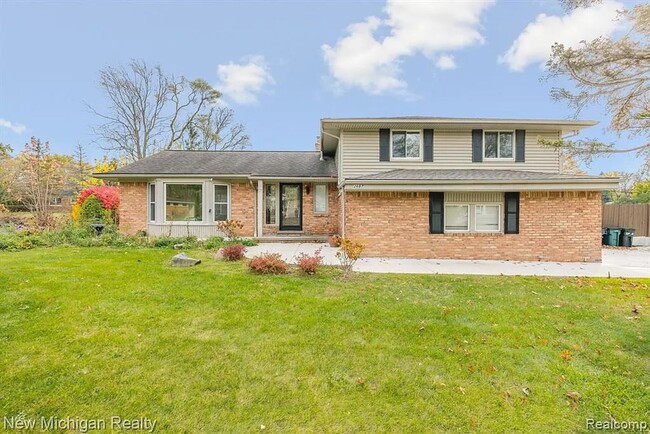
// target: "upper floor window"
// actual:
[[406, 144], [498, 144]]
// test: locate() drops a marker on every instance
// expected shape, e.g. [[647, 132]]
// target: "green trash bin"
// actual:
[[613, 236]]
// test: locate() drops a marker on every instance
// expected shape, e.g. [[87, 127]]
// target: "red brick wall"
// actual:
[[242, 203], [553, 226], [133, 207]]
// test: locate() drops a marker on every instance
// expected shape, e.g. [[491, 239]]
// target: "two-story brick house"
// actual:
[[413, 187]]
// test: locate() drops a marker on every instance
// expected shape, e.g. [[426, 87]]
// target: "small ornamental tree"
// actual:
[[97, 203], [92, 211]]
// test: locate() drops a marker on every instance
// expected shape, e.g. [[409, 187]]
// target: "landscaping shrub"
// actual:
[[233, 252], [213, 243], [349, 252], [309, 263], [268, 263], [230, 228], [92, 211], [248, 242], [169, 242], [93, 199]]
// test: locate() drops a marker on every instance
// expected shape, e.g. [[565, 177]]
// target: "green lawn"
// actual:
[[92, 333]]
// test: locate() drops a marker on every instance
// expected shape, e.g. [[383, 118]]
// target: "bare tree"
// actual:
[[615, 72], [149, 110], [217, 131], [40, 175]]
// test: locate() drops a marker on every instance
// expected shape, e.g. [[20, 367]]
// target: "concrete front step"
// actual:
[[287, 238]]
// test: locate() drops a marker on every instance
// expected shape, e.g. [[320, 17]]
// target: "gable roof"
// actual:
[[280, 164]]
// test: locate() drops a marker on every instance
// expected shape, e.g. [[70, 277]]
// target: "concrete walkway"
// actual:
[[633, 262]]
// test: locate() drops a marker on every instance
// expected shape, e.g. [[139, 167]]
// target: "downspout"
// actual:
[[252, 184], [341, 182]]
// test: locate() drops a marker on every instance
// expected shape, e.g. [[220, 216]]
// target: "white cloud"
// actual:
[[446, 62], [583, 24], [361, 59], [16, 128], [241, 82]]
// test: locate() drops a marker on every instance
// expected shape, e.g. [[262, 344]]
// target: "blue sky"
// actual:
[[284, 65]]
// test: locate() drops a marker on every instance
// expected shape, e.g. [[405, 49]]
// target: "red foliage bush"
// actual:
[[268, 263], [233, 252], [108, 195], [309, 263]]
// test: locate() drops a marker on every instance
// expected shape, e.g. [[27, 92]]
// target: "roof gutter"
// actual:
[[594, 184]]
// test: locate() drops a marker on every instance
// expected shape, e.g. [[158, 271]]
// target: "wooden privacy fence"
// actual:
[[635, 216]]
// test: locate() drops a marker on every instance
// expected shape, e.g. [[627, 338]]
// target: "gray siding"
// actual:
[[452, 149], [201, 231]]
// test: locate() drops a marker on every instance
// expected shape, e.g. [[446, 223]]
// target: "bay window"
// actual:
[[183, 202], [152, 202], [220, 203]]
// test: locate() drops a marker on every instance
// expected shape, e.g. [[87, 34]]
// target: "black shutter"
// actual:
[[477, 146], [520, 146], [511, 214], [436, 212], [428, 146], [384, 144]]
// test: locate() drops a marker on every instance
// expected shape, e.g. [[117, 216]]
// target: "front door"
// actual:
[[290, 207]]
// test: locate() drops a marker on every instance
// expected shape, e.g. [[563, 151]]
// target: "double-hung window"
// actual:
[[152, 202], [406, 145], [456, 218], [220, 203], [487, 218], [498, 144]]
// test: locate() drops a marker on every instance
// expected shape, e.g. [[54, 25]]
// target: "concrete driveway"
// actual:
[[634, 262]]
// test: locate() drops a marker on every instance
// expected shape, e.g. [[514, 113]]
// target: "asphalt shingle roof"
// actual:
[[469, 175], [260, 163]]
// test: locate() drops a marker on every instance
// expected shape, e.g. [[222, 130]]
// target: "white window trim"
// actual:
[[497, 158], [214, 200], [499, 217], [277, 204], [327, 199], [469, 218], [151, 200], [420, 133], [203, 220]]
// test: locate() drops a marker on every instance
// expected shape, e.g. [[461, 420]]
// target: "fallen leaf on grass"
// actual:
[[566, 355], [574, 397], [461, 390], [526, 391]]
